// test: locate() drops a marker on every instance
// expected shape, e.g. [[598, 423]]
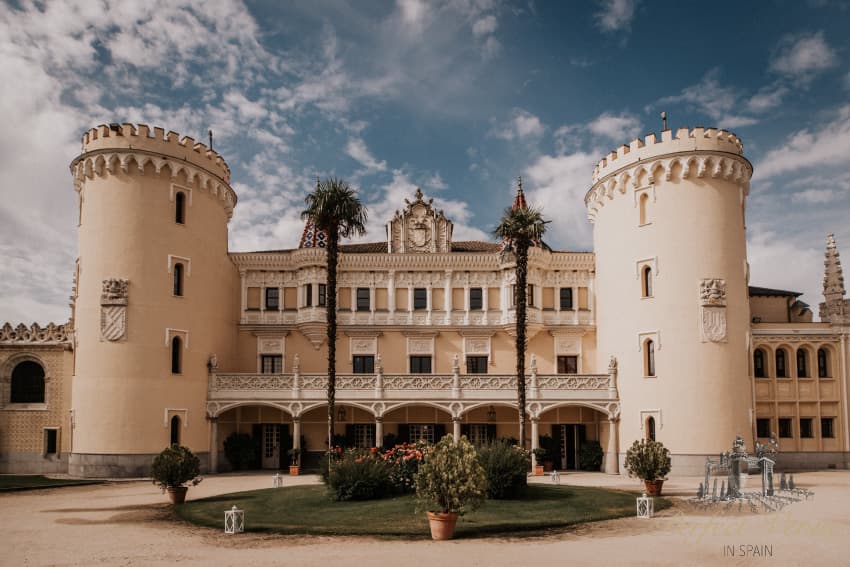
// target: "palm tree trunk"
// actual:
[[521, 300], [333, 253]]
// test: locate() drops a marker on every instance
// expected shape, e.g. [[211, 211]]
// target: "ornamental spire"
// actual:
[[835, 309], [519, 200]]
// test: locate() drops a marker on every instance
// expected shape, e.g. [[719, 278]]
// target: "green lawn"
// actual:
[[30, 482], [308, 510]]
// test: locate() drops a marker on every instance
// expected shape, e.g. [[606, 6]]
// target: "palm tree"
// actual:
[[335, 209], [520, 228]]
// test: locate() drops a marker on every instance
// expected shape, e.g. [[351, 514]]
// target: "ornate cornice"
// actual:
[[52, 334]]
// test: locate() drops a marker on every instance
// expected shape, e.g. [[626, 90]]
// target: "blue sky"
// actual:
[[458, 97]]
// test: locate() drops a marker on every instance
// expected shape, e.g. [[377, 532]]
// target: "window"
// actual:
[[781, 370], [51, 441], [763, 427], [420, 298], [827, 430], [363, 299], [180, 207], [758, 363], [649, 357], [807, 427], [178, 280], [823, 363], [476, 365], [323, 294], [475, 298], [176, 355], [308, 295], [566, 298], [421, 432], [529, 295], [27, 383], [643, 203], [175, 430], [650, 428], [273, 298], [646, 281], [478, 434], [802, 363], [420, 365], [271, 363], [785, 428], [568, 365], [364, 435], [364, 364]]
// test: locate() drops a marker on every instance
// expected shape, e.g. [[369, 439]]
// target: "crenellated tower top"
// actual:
[[106, 149], [698, 152]]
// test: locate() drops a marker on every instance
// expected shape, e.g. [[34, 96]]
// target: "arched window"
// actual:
[[823, 363], [649, 348], [646, 281], [802, 363], [643, 203], [781, 361], [180, 208], [175, 430], [178, 279], [176, 355], [758, 364], [27, 383], [650, 428]]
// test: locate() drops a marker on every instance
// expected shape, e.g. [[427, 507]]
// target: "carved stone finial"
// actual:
[[612, 364], [212, 363], [455, 363]]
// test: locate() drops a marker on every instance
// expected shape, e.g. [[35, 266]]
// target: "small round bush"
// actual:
[[451, 479], [648, 460], [241, 451], [590, 456], [175, 466], [506, 467]]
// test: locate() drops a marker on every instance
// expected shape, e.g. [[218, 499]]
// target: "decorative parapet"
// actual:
[[52, 334], [701, 152], [106, 150]]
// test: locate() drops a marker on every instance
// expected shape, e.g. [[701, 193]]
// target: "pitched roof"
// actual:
[[768, 292]]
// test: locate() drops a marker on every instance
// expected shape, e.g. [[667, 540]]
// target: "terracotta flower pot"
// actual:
[[653, 487], [538, 470], [294, 470], [442, 525], [177, 494]]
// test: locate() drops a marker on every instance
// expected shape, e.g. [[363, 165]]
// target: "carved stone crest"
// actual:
[[113, 309], [712, 295], [419, 228]]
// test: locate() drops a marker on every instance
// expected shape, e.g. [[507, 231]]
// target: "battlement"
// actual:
[[140, 138], [707, 139]]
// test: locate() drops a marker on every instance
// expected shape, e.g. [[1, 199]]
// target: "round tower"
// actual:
[[156, 295], [671, 284]]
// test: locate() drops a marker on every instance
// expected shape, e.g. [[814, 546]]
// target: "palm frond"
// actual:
[[334, 205]]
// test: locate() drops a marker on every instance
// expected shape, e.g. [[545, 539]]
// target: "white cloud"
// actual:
[[817, 196], [484, 26], [615, 15], [616, 127], [558, 185], [827, 146], [413, 12], [719, 102], [357, 150], [770, 253], [522, 125], [767, 98], [803, 56]]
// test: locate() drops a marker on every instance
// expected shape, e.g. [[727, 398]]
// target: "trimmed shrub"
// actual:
[[506, 467], [648, 460], [241, 451], [358, 476], [590, 456], [176, 466]]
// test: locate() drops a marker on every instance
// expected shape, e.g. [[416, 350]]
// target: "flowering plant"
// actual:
[[404, 461]]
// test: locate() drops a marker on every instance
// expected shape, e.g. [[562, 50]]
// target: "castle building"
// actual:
[[656, 334]]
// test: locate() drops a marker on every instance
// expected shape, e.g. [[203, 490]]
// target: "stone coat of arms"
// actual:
[[113, 309]]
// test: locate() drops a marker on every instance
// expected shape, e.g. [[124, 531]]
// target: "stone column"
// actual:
[[391, 291], [213, 445], [456, 428], [535, 439], [296, 433], [448, 295], [612, 464], [379, 432]]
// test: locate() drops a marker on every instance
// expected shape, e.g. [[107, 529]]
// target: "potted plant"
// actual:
[[294, 461], [539, 457], [649, 461], [552, 449], [450, 482], [174, 468]]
